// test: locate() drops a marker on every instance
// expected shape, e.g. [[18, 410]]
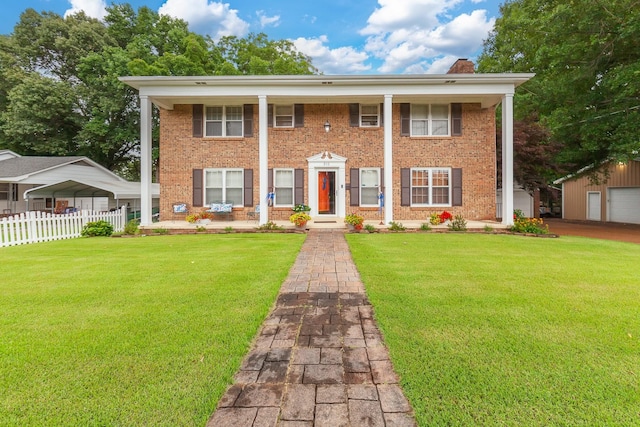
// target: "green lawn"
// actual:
[[130, 332], [500, 330]]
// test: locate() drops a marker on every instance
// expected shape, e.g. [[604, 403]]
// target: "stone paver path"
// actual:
[[319, 359]]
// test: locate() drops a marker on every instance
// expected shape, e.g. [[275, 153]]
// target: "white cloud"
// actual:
[[342, 60], [395, 15], [93, 8], [413, 35], [203, 16], [265, 20]]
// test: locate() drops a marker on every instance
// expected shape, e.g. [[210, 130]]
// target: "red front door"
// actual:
[[326, 190]]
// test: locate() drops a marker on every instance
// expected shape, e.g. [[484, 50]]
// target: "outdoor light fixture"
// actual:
[[327, 126]]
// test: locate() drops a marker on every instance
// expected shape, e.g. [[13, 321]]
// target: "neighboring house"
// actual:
[[335, 143], [39, 182], [615, 200]]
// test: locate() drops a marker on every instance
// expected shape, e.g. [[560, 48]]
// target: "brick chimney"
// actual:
[[462, 66]]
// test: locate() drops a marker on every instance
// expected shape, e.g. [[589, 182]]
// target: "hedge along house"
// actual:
[[335, 143]]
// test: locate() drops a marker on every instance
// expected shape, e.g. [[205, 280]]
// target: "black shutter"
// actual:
[[382, 179], [381, 115], [197, 187], [405, 119], [354, 176], [248, 120], [354, 115], [299, 186], [456, 186], [270, 115], [248, 187], [456, 119], [405, 185], [298, 115], [197, 120]]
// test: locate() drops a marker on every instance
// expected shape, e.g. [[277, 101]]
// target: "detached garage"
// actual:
[[615, 200]]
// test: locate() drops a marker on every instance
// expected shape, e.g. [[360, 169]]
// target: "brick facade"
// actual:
[[473, 152]]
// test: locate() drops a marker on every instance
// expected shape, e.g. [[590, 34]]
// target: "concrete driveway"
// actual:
[[598, 230]]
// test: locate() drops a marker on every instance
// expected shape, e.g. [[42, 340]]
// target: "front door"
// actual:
[[326, 193]]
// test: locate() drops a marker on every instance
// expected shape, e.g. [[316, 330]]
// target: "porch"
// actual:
[[317, 222]]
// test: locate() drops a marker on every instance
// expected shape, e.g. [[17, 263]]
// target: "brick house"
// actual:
[[426, 143]]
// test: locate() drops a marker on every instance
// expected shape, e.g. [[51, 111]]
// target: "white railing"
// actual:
[[36, 226]]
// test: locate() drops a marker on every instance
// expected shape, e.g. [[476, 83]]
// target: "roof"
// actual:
[[583, 170], [91, 188], [19, 168], [487, 89]]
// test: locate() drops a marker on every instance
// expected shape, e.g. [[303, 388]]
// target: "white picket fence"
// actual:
[[36, 226]]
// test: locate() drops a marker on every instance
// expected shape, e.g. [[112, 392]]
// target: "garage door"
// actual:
[[624, 205]]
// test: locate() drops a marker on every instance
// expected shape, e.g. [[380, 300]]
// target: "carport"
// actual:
[[118, 193]]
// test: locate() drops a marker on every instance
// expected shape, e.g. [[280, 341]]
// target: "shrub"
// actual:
[[529, 225], [425, 227], [457, 224], [131, 227], [396, 226], [370, 228], [488, 229], [161, 231], [269, 226], [97, 228]]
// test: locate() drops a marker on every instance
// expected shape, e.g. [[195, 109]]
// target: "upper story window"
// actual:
[[224, 185], [369, 115], [369, 186], [429, 119], [430, 187], [223, 120], [283, 116]]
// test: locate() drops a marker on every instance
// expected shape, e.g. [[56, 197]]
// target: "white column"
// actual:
[[388, 159], [146, 196], [507, 159], [263, 155]]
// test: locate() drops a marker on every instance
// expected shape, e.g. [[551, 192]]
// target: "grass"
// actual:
[[499, 330], [144, 331]]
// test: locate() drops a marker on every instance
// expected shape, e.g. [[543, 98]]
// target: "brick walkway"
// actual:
[[319, 359]]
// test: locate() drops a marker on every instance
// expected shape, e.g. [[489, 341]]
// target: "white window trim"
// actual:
[[377, 115], [431, 170], [275, 115], [360, 189], [224, 122], [430, 122], [293, 188], [224, 184]]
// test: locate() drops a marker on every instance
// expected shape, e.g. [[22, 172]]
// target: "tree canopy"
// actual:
[[586, 56], [59, 87]]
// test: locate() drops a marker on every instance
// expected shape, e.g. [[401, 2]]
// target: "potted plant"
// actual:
[[301, 208], [200, 218], [300, 219], [354, 221]]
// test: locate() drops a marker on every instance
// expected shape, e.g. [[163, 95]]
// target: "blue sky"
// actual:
[[341, 36]]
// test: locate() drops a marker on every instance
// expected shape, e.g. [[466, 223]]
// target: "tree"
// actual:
[[59, 87], [534, 157], [586, 56]]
